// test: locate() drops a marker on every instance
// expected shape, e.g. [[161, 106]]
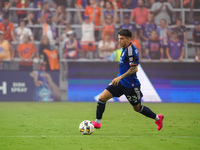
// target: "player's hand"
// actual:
[[116, 80]]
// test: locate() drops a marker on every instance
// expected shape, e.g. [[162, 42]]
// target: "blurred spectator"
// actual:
[[164, 33], [195, 4], [38, 4], [89, 11], [26, 53], [6, 4], [44, 44], [2, 11], [127, 24], [149, 3], [140, 13], [175, 48], [110, 8], [61, 3], [51, 59], [20, 4], [49, 30], [64, 38], [154, 47], [60, 16], [181, 29], [119, 3], [188, 14], [109, 22], [106, 47], [71, 4], [196, 40], [41, 15], [8, 28], [22, 31], [72, 47], [162, 9], [30, 19], [130, 4], [148, 27], [116, 54], [6, 50], [87, 39], [136, 42], [82, 3]]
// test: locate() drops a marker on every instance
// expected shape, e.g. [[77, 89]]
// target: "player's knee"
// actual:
[[137, 108]]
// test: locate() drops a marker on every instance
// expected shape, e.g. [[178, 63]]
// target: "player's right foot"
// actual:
[[96, 125], [159, 122]]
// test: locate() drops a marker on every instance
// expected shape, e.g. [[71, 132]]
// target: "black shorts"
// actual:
[[133, 95]]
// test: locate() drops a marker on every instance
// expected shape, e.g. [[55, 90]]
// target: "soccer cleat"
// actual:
[[159, 122], [96, 125]]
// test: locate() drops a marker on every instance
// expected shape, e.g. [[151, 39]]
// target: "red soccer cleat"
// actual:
[[96, 125], [159, 122]]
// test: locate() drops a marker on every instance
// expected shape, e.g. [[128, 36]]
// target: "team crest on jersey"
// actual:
[[131, 59], [179, 44]]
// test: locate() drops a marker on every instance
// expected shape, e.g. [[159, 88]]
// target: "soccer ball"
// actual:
[[86, 127]]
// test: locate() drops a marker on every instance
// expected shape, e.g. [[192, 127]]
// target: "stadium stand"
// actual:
[[37, 28]]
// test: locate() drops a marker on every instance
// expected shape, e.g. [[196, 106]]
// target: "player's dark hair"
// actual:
[[125, 32]]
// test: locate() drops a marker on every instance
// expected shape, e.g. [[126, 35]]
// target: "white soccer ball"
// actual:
[[86, 127]]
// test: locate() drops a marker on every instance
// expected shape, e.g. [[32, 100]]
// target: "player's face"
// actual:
[[123, 41]]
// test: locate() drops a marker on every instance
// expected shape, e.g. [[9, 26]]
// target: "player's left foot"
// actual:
[[96, 125], [159, 122]]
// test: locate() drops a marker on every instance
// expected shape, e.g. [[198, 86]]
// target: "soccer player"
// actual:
[[126, 82]]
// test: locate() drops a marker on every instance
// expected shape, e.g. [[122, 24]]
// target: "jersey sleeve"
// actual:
[[133, 56]]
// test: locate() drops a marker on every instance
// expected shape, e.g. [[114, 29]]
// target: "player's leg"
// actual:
[[134, 98], [109, 92], [149, 113], [101, 104]]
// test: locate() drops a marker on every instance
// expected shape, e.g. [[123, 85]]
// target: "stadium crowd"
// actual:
[[158, 30]]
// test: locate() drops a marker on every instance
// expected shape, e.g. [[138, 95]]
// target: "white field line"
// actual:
[[94, 136]]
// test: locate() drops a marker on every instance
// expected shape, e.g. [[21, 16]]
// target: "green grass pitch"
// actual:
[[54, 126]]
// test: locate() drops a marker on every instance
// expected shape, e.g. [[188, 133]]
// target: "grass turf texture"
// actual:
[[49, 126]]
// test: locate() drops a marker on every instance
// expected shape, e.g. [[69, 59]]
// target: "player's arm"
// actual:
[[132, 70]]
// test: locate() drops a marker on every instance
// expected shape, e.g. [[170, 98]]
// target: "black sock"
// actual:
[[100, 109], [147, 112]]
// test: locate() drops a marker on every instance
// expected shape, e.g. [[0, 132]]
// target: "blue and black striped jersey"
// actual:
[[129, 58]]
